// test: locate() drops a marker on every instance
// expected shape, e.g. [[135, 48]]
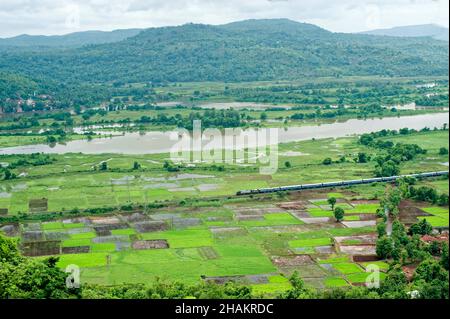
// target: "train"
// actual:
[[337, 184]]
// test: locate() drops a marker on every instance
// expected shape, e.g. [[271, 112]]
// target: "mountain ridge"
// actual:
[[421, 30], [75, 39], [249, 50]]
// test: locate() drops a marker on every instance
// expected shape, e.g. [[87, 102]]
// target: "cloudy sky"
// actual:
[[64, 16]]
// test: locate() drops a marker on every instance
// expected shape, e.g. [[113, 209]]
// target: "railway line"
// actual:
[[338, 184]]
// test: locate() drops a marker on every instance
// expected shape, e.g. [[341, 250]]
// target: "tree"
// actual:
[[443, 151], [136, 166], [391, 200], [8, 249], [381, 229], [429, 270], [8, 175], [444, 256], [339, 213], [421, 228], [298, 290], [51, 139], [362, 158], [434, 248], [263, 116], [395, 283], [443, 200], [287, 164], [327, 161], [384, 247], [26, 278], [386, 169], [332, 202], [104, 166]]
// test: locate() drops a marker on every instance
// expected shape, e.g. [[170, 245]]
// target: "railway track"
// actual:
[[338, 184]]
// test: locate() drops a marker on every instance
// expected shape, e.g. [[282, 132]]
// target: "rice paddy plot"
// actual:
[[335, 282], [437, 221], [364, 209], [439, 218], [310, 242], [358, 278], [276, 285], [177, 264], [183, 238], [347, 268], [273, 219], [319, 212], [383, 266]]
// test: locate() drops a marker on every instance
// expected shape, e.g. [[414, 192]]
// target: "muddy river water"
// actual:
[[162, 142]]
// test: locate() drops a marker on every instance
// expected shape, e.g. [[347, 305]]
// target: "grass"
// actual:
[[187, 259], [76, 242], [88, 235], [103, 247], [334, 260], [273, 219], [440, 216], [177, 264], [437, 221], [81, 187], [52, 225], [276, 284], [347, 268], [436, 210], [183, 238], [310, 242], [319, 212], [83, 260], [352, 218], [365, 208], [381, 264], [335, 282], [362, 277], [126, 231], [335, 195]]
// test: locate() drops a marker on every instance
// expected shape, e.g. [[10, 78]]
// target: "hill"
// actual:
[[250, 50], [425, 30], [76, 39]]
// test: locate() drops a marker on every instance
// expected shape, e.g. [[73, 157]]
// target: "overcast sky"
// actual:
[[65, 16]]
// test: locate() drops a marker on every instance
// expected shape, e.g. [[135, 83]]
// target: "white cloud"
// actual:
[[64, 16]]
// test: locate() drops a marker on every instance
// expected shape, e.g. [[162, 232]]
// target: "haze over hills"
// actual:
[[242, 51], [76, 39], [425, 30]]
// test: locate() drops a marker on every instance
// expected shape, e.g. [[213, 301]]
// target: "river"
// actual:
[[161, 142]]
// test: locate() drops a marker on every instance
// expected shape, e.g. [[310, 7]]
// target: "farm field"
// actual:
[[74, 181], [259, 242]]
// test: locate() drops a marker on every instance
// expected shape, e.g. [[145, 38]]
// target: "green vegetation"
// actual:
[[75, 184], [167, 230], [92, 63], [347, 268], [310, 242]]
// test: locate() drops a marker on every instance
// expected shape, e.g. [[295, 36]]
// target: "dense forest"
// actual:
[[70, 40], [242, 51]]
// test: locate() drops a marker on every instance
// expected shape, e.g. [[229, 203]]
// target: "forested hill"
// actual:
[[242, 51], [425, 30], [72, 40]]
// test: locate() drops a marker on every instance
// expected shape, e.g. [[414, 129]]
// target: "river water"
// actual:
[[162, 142]]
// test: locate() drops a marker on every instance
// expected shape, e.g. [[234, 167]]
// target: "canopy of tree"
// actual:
[[242, 51]]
